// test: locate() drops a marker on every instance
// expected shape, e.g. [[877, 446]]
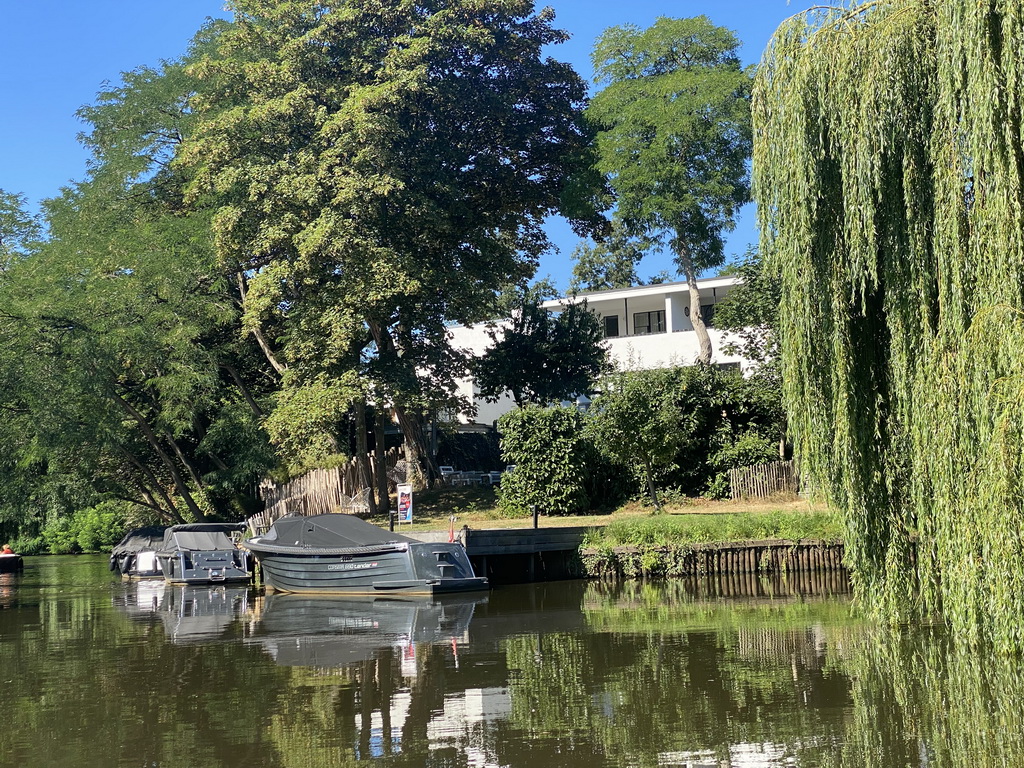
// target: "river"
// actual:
[[687, 674]]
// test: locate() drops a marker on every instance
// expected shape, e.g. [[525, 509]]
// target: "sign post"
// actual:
[[404, 503]]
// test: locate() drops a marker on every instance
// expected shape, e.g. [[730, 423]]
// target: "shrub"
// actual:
[[552, 459], [743, 451], [95, 529]]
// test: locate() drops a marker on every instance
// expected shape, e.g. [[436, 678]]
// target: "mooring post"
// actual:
[[533, 508]]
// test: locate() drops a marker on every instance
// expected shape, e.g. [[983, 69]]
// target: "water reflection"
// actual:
[[9, 589], [333, 631], [189, 613], [684, 674]]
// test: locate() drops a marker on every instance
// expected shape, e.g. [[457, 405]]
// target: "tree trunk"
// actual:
[[686, 263], [651, 489], [249, 399], [171, 510], [258, 333], [383, 500], [154, 442], [416, 454], [363, 452]]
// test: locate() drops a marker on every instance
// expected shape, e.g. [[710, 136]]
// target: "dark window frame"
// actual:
[[649, 328], [611, 321]]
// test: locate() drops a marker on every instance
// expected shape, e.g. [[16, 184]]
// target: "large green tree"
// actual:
[[376, 169], [889, 166], [120, 350], [18, 228], [674, 137], [636, 422]]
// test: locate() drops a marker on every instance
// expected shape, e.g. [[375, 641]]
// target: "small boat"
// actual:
[[203, 553], [11, 563], [134, 556], [338, 553]]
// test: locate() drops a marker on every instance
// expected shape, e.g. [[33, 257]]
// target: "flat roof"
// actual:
[[647, 290]]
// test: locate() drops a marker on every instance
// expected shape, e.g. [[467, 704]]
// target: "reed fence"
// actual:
[[763, 480], [321, 491]]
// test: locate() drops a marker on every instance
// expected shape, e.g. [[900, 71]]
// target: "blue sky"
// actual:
[[56, 56]]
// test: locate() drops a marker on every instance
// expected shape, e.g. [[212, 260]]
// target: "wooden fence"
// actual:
[[321, 491], [763, 480]]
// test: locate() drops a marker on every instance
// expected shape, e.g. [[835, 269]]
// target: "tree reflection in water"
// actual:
[[687, 673]]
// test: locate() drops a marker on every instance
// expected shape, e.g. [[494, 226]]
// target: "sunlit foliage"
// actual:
[[889, 166]]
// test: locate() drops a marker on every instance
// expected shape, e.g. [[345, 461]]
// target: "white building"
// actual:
[[645, 327]]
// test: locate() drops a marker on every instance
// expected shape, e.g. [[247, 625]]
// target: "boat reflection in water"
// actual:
[[334, 631], [190, 614]]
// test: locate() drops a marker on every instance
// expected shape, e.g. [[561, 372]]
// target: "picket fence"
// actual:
[[763, 480]]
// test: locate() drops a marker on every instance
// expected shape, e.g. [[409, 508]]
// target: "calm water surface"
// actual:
[[94, 672]]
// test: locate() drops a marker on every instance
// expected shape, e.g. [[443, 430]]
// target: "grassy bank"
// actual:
[[686, 520], [683, 529]]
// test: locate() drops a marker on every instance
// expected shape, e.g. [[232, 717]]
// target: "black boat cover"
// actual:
[[149, 538], [210, 527], [199, 537], [176, 540], [328, 531]]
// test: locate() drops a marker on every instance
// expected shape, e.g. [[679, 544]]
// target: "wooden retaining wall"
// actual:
[[520, 555], [740, 557]]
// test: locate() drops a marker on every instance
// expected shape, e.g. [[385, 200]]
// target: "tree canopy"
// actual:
[[274, 230], [543, 357], [888, 169], [358, 156], [674, 137]]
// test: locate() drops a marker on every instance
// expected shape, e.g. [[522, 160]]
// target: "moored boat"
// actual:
[[339, 553], [134, 556], [11, 563], [203, 553]]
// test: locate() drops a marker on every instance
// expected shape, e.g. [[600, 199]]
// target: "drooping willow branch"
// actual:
[[889, 175]]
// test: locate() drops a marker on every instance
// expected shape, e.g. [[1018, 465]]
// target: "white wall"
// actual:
[[678, 346]]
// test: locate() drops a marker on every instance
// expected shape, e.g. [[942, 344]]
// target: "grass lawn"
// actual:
[[633, 523]]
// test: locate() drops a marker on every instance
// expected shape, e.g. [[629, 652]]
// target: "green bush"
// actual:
[[552, 459], [101, 527], [28, 545], [95, 529]]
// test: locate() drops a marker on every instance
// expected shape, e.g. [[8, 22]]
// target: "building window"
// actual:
[[707, 313], [649, 322], [611, 326]]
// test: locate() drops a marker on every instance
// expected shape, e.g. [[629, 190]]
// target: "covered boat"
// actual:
[[134, 556], [203, 553], [342, 554]]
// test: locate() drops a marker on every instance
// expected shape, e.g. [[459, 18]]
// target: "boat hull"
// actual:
[[11, 564], [405, 569]]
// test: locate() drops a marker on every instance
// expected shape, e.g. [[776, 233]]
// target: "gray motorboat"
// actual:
[[134, 556], [338, 553], [203, 553]]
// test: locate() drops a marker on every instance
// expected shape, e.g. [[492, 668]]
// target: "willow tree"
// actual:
[[888, 170]]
